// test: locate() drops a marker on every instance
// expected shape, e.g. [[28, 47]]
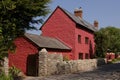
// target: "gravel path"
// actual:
[[106, 72]]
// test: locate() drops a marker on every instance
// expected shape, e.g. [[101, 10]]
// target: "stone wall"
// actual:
[[75, 66], [50, 64]]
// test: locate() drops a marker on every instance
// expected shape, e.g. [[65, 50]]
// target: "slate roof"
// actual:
[[77, 20], [80, 21], [46, 42]]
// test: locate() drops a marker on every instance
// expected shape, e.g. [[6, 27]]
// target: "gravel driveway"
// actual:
[[105, 72]]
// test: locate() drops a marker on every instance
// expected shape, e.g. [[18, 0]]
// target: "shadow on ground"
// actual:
[[110, 67]]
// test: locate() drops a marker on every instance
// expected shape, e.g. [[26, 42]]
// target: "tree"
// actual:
[[16, 17], [107, 39]]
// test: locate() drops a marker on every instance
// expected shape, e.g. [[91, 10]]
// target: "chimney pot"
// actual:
[[78, 12], [96, 23]]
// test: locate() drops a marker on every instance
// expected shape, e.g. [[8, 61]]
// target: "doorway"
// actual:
[[32, 65]]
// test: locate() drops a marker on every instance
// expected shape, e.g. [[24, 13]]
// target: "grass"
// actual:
[[115, 60]]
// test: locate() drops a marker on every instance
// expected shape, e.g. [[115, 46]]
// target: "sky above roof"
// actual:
[[106, 12]]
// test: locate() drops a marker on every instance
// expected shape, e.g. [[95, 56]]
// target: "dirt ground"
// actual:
[[105, 72]]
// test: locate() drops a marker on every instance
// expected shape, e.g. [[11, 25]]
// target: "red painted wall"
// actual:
[[83, 47], [61, 27], [110, 56], [24, 48]]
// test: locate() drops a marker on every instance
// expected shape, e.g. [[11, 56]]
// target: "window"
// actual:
[[86, 56], [79, 38], [86, 40], [80, 55]]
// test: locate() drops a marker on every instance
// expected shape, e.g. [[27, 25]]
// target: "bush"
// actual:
[[13, 74], [1, 63], [5, 77], [14, 71], [115, 60]]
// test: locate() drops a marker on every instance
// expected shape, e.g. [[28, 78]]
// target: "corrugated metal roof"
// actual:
[[46, 42]]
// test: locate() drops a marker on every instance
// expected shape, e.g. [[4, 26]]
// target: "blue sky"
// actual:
[[107, 12]]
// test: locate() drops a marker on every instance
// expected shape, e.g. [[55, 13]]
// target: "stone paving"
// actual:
[[106, 72]]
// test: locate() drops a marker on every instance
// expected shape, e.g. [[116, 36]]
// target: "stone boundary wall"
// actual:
[[50, 64]]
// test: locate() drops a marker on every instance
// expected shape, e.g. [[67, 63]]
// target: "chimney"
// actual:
[[96, 23], [78, 12]]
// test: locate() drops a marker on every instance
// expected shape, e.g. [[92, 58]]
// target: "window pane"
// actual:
[[80, 55], [86, 56], [79, 38], [86, 40]]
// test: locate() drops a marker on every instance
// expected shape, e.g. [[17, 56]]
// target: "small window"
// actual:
[[86, 56], [86, 40], [79, 38], [80, 55]]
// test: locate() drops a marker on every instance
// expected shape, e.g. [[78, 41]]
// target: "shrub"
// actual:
[[5, 77], [115, 60], [14, 71], [13, 74], [1, 62]]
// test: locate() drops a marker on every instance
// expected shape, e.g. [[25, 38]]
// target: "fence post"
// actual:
[[42, 63], [6, 66]]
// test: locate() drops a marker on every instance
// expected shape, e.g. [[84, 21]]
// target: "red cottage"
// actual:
[[73, 31], [26, 55], [62, 33]]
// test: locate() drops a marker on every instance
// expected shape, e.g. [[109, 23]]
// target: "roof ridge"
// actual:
[[46, 42], [39, 35], [75, 19], [79, 20]]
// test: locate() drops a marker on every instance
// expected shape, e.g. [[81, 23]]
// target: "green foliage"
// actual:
[[5, 77], [16, 17], [1, 63], [107, 38], [115, 60], [13, 74], [14, 71]]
